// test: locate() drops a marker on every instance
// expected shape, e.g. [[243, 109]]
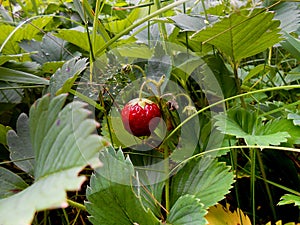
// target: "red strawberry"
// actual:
[[140, 116]]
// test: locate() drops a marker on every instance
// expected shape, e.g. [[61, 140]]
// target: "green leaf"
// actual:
[[242, 34], [52, 67], [80, 39], [3, 132], [5, 31], [20, 147], [191, 23], [27, 66], [257, 70], [133, 50], [293, 74], [10, 183], [49, 49], [9, 93], [118, 26], [288, 14], [243, 123], [290, 199], [16, 76], [120, 136], [282, 125], [206, 178], [272, 109], [5, 15], [187, 210], [295, 117], [64, 78], [222, 74], [151, 176], [186, 68], [17, 57], [292, 45], [159, 64], [25, 32], [111, 199], [63, 144]]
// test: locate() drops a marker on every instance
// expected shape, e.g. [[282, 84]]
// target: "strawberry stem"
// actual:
[[76, 205], [157, 85], [167, 181], [140, 69], [141, 89]]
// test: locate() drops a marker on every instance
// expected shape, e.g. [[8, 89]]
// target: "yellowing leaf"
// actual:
[[13, 35], [279, 222], [219, 215]]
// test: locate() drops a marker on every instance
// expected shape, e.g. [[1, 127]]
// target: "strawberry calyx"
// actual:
[[140, 101]]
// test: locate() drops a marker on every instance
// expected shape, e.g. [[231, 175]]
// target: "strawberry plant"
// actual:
[[149, 112]]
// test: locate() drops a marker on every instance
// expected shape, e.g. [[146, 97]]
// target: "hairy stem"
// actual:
[[167, 181], [76, 205], [252, 182], [238, 84], [264, 176]]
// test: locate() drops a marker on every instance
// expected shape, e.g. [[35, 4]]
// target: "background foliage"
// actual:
[[65, 65]]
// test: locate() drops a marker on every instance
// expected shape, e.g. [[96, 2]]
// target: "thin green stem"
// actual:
[[252, 182], [95, 22], [233, 160], [186, 33], [45, 217], [16, 160], [141, 90], [157, 84], [162, 27], [23, 87], [264, 176], [167, 181], [76, 217], [270, 57], [91, 15], [76, 205], [140, 69], [87, 99], [106, 117], [204, 9], [137, 6], [92, 56], [238, 83], [66, 216], [148, 27]]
